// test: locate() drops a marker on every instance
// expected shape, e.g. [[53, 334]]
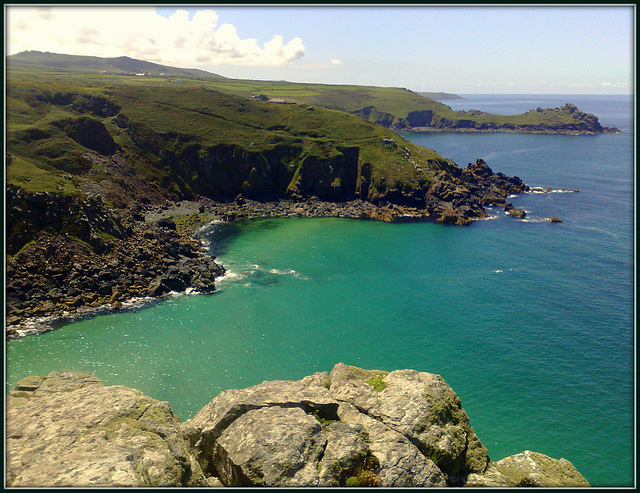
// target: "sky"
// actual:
[[548, 49]]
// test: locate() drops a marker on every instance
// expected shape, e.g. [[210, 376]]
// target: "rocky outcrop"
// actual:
[[352, 427], [459, 196], [87, 218], [68, 430], [529, 469]]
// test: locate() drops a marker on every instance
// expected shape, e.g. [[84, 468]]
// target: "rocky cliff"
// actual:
[[350, 427]]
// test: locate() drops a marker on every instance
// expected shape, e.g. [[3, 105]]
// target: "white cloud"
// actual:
[[139, 32], [335, 61]]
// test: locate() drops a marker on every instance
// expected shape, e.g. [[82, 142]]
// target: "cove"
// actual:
[[470, 304]]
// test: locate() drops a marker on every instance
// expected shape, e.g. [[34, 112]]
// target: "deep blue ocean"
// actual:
[[530, 322]]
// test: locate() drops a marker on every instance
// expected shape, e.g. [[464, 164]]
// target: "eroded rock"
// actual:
[[69, 430], [530, 469], [352, 427]]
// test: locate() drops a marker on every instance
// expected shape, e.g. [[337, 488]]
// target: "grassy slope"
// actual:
[[390, 107], [55, 61], [186, 112]]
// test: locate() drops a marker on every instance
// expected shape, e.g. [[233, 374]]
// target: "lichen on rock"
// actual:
[[70, 430], [350, 427]]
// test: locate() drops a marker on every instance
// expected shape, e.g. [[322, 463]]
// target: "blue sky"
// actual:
[[459, 49]]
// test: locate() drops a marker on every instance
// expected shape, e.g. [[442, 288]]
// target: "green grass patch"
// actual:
[[378, 383], [32, 178]]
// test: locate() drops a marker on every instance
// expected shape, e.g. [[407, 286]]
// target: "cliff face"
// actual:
[[351, 427], [86, 218], [287, 169]]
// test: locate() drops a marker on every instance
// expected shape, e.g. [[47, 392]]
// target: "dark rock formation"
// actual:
[[85, 218], [459, 196], [352, 427], [514, 211], [59, 274]]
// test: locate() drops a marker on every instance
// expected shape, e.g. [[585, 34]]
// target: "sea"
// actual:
[[530, 322]]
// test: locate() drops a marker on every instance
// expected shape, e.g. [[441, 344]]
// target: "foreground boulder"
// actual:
[[68, 429], [352, 427], [355, 427]]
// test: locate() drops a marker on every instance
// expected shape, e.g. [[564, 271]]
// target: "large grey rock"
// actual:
[[422, 407], [271, 446], [417, 433], [400, 463], [69, 430], [530, 469], [353, 427], [208, 424]]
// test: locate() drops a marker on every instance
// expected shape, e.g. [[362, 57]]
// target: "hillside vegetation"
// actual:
[[395, 108], [191, 139]]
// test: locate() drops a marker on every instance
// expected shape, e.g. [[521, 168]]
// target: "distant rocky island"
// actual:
[[350, 427]]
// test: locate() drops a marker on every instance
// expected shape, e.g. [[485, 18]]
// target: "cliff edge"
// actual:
[[350, 427]]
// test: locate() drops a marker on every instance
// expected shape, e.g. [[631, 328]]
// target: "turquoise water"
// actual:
[[530, 322]]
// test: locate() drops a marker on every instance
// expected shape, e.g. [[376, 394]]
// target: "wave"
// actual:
[[288, 272], [40, 325], [550, 190], [257, 275], [490, 216]]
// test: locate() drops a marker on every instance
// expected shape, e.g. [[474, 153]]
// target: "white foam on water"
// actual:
[[287, 272], [550, 190]]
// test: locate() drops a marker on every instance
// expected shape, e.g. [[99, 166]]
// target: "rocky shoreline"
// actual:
[[349, 427], [152, 251], [59, 279], [500, 130]]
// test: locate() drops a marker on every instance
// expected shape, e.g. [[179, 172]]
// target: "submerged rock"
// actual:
[[352, 427]]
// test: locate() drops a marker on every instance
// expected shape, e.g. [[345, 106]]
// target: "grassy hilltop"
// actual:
[[395, 108]]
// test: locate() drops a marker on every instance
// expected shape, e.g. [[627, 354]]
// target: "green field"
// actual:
[[395, 108], [55, 119]]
